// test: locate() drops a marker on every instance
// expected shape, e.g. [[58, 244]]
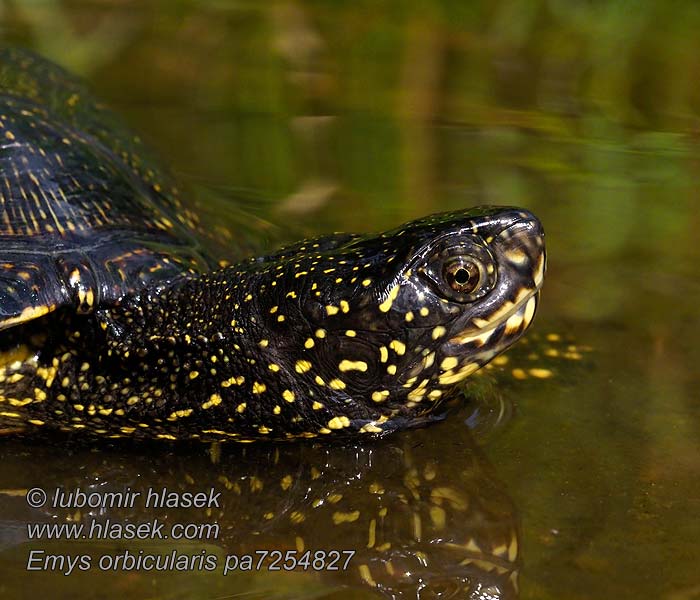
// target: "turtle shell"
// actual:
[[86, 215]]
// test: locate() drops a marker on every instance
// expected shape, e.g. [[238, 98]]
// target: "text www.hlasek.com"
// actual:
[[108, 530]]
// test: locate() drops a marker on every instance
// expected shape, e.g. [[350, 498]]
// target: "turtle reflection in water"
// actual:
[[424, 513], [115, 322]]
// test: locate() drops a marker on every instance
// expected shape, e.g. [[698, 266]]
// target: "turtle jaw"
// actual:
[[497, 334]]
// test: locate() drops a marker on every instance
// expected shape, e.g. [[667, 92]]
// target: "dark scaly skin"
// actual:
[[122, 332], [304, 357]]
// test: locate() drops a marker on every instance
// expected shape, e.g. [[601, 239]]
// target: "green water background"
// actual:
[[360, 115]]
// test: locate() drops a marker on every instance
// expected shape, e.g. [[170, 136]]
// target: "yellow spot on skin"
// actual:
[[288, 395], [529, 310], [332, 310], [263, 343], [438, 332], [338, 423], [352, 365], [277, 410], [515, 255], [391, 369], [409, 316], [273, 367], [35, 422], [449, 378], [214, 400], [383, 354], [286, 482], [241, 407], [449, 363], [540, 373], [10, 415], [309, 343], [386, 305], [370, 428], [319, 380], [259, 388], [185, 412], [15, 402], [337, 384], [513, 324], [424, 312], [538, 277], [380, 396], [320, 333], [233, 381], [345, 517], [344, 306], [398, 347], [302, 366], [280, 318], [264, 430], [366, 282], [194, 374], [317, 406], [351, 333], [417, 393], [553, 337]]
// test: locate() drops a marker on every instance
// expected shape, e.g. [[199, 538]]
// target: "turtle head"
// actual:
[[385, 324]]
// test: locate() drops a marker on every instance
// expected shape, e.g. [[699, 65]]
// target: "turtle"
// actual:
[[116, 321]]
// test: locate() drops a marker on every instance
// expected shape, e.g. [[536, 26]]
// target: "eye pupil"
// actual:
[[462, 276]]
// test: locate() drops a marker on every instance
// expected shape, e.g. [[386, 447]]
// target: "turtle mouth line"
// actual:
[[517, 317]]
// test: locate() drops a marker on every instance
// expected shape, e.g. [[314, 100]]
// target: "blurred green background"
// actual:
[[287, 118]]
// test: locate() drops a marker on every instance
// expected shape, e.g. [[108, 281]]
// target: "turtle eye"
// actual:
[[462, 275], [461, 271]]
